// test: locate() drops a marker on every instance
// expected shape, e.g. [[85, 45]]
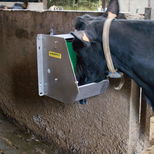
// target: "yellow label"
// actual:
[[55, 54]]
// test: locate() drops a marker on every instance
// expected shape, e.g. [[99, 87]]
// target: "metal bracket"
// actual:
[[40, 64]]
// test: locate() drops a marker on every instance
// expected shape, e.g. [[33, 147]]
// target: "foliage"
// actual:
[[76, 4]]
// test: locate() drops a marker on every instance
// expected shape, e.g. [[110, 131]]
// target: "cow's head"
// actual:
[[91, 65]]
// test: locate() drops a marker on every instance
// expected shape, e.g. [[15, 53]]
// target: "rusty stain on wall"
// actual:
[[21, 33]]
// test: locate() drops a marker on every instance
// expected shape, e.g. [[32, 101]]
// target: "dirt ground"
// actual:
[[149, 150], [15, 141]]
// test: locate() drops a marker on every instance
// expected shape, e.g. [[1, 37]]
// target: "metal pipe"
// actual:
[[149, 3], [103, 4]]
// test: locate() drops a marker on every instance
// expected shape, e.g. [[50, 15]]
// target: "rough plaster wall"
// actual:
[[99, 127]]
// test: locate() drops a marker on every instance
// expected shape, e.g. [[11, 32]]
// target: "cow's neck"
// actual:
[[122, 49], [122, 62], [132, 51]]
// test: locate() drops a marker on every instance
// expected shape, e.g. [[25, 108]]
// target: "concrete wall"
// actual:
[[152, 3], [133, 6], [99, 127]]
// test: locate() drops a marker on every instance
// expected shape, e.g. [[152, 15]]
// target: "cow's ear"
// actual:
[[113, 8], [80, 40], [82, 36]]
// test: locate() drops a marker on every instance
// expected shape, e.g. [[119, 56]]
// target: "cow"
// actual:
[[132, 48]]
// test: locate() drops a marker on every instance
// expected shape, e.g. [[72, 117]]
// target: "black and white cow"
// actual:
[[132, 49]]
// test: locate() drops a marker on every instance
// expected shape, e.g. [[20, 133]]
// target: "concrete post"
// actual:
[[45, 4], [134, 117], [148, 12]]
